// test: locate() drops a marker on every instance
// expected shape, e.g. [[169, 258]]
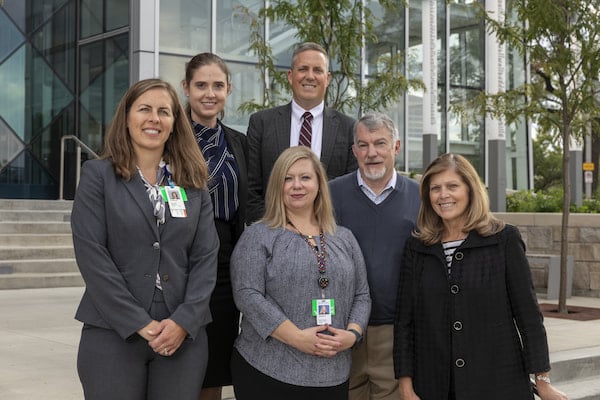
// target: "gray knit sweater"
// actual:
[[274, 277]]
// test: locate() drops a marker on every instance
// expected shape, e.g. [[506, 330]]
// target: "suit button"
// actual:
[[165, 278], [454, 289], [459, 256], [459, 362], [156, 245], [457, 325]]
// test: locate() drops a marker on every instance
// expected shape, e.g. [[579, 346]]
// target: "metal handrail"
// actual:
[[79, 144]]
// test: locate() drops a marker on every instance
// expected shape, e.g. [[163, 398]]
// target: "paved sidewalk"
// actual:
[[39, 338]]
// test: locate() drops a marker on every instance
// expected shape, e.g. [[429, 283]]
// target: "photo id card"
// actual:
[[175, 199], [323, 309]]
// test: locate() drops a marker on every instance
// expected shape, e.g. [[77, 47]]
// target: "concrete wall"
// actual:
[[541, 233]]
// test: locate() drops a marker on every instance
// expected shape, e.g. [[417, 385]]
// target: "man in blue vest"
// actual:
[[380, 206]]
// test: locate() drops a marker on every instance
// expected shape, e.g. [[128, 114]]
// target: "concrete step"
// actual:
[[36, 246], [37, 252], [35, 227], [19, 204], [36, 239], [34, 266], [575, 364], [40, 280], [581, 389], [577, 372], [35, 215]]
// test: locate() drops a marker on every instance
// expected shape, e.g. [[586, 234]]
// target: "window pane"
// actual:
[[11, 37], [467, 79], [117, 14], [10, 145], [91, 17], [56, 41], [104, 78], [185, 26]]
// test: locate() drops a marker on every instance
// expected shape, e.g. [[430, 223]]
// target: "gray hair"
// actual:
[[376, 120], [310, 46]]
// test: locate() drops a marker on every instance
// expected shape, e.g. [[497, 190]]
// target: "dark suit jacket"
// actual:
[[238, 145], [481, 324], [269, 135], [119, 250]]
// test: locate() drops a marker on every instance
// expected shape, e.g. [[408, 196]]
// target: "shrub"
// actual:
[[546, 201]]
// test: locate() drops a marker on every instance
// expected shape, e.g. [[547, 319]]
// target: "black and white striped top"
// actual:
[[449, 249]]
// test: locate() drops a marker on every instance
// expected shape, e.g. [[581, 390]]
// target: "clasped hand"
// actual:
[[314, 341], [165, 336]]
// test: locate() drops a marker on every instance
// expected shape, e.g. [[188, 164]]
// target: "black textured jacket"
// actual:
[[480, 326]]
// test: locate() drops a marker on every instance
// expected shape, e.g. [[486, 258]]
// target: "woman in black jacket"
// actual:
[[207, 84], [468, 326]]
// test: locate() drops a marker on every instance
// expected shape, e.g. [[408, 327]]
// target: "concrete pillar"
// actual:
[[430, 149], [144, 39], [497, 175], [576, 176], [430, 112], [495, 128]]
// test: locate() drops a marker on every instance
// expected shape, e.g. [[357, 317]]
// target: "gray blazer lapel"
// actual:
[[138, 191]]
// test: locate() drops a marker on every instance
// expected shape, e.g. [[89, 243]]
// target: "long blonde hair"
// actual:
[[478, 216], [275, 214], [181, 150]]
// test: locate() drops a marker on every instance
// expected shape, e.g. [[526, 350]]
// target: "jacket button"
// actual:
[[454, 289], [165, 278], [147, 276], [459, 362], [457, 325], [156, 245], [459, 256]]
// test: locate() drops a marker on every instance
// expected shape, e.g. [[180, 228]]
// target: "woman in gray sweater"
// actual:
[[300, 282]]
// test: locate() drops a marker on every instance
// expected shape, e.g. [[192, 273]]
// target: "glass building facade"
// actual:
[[64, 64]]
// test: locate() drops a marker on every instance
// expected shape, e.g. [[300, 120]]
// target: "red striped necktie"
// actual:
[[306, 130]]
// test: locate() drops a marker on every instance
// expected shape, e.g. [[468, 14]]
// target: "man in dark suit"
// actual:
[[273, 130]]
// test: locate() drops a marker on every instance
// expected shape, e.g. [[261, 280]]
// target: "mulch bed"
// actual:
[[575, 313]]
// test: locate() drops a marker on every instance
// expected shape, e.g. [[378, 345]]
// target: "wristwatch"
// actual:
[[544, 378], [359, 338]]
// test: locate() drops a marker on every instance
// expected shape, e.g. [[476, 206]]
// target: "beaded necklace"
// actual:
[[321, 255]]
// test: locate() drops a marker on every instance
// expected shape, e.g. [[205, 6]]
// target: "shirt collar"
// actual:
[[391, 184], [298, 111]]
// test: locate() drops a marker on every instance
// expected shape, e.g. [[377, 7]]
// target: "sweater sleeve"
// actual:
[[249, 263], [361, 306]]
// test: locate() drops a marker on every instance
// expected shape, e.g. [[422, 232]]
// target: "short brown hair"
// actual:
[[306, 46], [181, 150], [478, 216], [275, 215]]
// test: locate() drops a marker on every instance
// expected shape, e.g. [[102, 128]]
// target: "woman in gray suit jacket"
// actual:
[[146, 246]]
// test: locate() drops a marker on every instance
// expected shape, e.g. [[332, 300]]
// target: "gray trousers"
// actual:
[[112, 368]]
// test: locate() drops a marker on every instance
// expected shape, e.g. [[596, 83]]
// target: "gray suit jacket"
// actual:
[[269, 135], [119, 250]]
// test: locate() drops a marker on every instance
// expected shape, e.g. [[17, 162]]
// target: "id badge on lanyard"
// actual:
[[175, 197]]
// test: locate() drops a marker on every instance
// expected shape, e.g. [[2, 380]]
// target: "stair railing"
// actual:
[[78, 145]]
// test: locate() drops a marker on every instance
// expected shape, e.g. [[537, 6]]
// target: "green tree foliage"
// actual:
[[343, 28], [561, 40], [547, 163]]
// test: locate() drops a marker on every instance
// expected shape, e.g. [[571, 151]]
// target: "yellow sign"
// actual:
[[588, 166]]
